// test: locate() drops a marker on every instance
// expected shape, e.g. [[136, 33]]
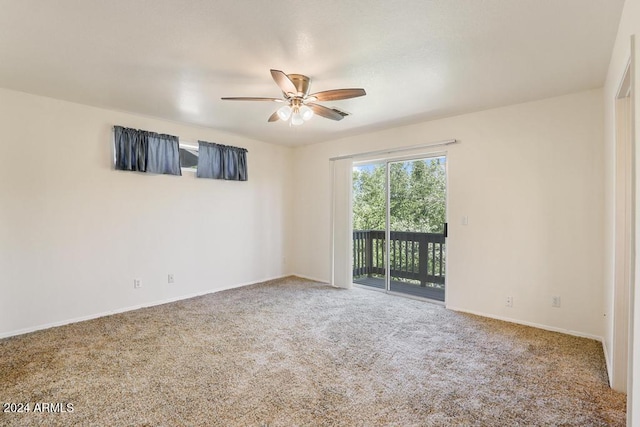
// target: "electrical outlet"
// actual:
[[137, 283], [555, 302], [170, 278], [509, 302]]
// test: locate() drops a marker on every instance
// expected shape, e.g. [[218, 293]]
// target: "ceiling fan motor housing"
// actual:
[[301, 83]]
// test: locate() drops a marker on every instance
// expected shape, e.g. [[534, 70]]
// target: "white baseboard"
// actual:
[[315, 279], [130, 308], [224, 288], [532, 324]]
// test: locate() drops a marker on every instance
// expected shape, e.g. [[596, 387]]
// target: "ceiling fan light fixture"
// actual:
[[284, 113], [296, 117], [306, 113]]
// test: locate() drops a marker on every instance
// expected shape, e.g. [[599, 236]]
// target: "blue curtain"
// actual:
[[143, 151], [219, 161], [131, 149], [163, 154]]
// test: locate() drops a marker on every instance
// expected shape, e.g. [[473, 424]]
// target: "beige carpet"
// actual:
[[294, 352]]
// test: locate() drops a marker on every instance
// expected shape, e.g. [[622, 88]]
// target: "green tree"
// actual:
[[417, 199], [369, 198]]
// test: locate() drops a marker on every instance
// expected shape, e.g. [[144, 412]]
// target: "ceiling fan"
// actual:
[[299, 105]]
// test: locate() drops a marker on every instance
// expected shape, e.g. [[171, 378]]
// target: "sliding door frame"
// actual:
[[387, 161]]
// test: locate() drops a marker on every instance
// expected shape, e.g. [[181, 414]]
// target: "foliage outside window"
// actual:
[[417, 201]]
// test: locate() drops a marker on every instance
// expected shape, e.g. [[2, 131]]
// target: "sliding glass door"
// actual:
[[399, 211]]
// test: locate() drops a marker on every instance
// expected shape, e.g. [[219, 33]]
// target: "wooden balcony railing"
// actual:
[[413, 256]]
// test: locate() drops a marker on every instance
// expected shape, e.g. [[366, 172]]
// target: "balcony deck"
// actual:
[[403, 287]]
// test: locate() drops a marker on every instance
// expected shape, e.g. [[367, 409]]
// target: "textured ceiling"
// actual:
[[417, 59]]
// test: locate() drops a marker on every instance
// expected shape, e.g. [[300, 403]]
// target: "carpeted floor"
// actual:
[[293, 352]]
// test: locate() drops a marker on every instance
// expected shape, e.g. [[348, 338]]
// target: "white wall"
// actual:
[[629, 25], [74, 233], [530, 179]]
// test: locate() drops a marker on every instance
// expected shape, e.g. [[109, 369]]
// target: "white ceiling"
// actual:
[[417, 59]]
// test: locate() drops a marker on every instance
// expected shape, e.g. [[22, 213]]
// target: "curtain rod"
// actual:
[[394, 150]]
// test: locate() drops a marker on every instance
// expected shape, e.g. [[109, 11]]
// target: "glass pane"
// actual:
[[369, 221], [417, 217], [188, 158]]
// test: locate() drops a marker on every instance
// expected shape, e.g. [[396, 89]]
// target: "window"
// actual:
[[188, 157]]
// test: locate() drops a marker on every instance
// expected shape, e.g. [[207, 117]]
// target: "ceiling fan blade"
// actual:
[[284, 82], [326, 112], [250, 98], [274, 117], [337, 94]]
